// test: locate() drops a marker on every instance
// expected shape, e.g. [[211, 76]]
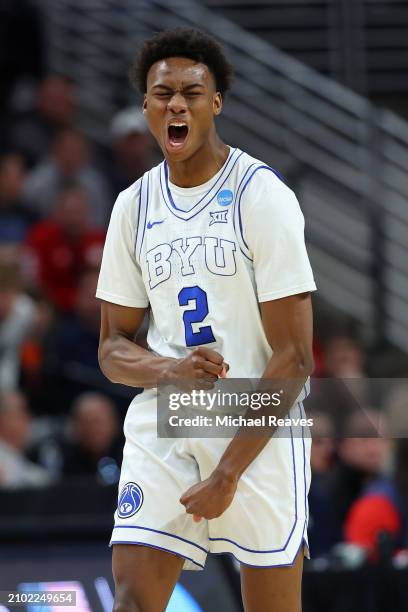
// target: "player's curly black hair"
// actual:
[[182, 42]]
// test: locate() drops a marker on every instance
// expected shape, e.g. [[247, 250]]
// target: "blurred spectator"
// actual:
[[374, 519], [72, 349], [59, 248], [344, 357], [68, 163], [371, 456], [132, 149], [364, 494], [15, 423], [32, 131], [344, 387], [396, 410], [17, 313], [322, 529], [323, 449], [318, 357], [32, 361], [71, 353], [96, 445], [401, 478], [15, 216]]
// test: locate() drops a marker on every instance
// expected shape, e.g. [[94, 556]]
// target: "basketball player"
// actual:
[[211, 240]]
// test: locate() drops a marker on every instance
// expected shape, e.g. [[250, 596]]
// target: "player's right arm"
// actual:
[[120, 359], [123, 361], [124, 304]]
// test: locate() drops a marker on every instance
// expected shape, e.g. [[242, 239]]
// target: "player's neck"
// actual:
[[201, 167]]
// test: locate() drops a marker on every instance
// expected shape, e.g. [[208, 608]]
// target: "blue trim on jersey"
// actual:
[[239, 196], [244, 175], [236, 208], [166, 176], [239, 202], [175, 552], [249, 259], [145, 219], [278, 174], [296, 504], [289, 564], [171, 535], [277, 550], [185, 218], [243, 189], [303, 414], [138, 216], [306, 388]]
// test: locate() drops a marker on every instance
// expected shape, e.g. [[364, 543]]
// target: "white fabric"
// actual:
[[120, 279], [186, 196], [145, 263], [266, 522], [274, 230], [203, 263]]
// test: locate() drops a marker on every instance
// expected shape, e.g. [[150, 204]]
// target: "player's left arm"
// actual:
[[274, 238], [288, 325]]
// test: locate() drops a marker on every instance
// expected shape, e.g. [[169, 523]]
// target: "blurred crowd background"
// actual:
[[60, 419]]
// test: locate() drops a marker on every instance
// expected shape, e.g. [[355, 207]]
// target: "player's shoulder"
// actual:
[[258, 175], [126, 199], [258, 179]]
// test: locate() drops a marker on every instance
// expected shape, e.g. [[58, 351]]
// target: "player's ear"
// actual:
[[217, 103], [144, 105]]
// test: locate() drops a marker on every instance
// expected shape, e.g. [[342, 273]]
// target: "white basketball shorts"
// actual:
[[266, 523]]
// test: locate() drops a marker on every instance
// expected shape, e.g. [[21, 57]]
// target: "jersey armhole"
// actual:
[[237, 212], [142, 206]]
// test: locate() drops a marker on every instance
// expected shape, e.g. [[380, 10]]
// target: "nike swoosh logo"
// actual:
[[151, 223]]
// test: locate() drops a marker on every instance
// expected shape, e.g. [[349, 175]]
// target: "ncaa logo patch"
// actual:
[[225, 197], [130, 500]]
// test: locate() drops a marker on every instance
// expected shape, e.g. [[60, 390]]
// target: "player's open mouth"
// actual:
[[177, 132]]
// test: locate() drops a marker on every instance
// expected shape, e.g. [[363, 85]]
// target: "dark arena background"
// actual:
[[320, 94]]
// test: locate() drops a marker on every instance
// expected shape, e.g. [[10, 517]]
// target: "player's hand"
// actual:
[[199, 370], [211, 497]]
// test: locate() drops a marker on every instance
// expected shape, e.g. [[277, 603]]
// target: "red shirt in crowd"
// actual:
[[58, 260]]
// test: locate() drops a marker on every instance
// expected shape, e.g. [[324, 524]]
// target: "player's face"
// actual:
[[180, 104]]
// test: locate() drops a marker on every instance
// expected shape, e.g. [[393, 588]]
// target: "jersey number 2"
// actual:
[[204, 335]]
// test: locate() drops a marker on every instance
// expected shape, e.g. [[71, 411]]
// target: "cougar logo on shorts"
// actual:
[[130, 500]]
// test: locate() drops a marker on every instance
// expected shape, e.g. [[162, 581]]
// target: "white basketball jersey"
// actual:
[[204, 257]]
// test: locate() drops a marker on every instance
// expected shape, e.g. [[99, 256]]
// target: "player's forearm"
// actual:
[[122, 361], [282, 374]]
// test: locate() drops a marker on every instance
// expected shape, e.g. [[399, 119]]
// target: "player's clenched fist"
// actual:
[[200, 369], [211, 497]]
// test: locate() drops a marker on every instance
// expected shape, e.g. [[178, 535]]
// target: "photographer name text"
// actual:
[[238, 421]]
